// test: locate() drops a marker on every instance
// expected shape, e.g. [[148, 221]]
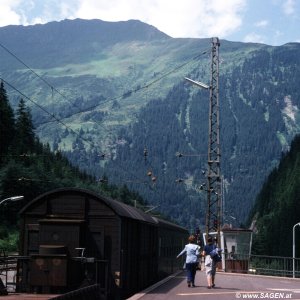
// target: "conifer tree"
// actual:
[[25, 138], [7, 123]]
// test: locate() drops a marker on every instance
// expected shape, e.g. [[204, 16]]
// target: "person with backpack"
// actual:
[[192, 251], [212, 257]]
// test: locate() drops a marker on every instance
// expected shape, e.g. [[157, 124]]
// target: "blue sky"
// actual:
[[273, 22]]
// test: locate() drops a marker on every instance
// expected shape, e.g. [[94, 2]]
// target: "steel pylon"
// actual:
[[214, 190]]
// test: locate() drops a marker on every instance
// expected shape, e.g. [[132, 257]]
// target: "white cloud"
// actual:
[[253, 38], [29, 12], [51, 11], [8, 15], [226, 19], [188, 18], [66, 10], [262, 23], [289, 7], [192, 18], [278, 34]]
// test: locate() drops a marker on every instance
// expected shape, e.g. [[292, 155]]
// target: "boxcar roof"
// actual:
[[168, 224], [121, 209]]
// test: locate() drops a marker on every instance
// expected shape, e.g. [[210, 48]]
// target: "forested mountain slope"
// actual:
[[29, 168], [277, 208], [110, 91]]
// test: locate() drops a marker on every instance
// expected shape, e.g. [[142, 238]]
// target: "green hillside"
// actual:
[[109, 90], [29, 168]]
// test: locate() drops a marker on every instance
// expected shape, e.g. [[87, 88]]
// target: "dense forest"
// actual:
[[277, 208], [29, 168]]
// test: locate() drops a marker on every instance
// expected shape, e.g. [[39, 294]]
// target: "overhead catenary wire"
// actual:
[[146, 86], [59, 121], [50, 114], [124, 95], [53, 89], [35, 103], [23, 63], [129, 92]]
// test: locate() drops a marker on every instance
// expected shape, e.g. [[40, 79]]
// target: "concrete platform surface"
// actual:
[[229, 286]]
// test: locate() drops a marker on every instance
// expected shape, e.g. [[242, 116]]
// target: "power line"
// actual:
[[123, 96], [128, 93], [35, 103], [18, 59], [48, 84], [59, 121], [44, 110]]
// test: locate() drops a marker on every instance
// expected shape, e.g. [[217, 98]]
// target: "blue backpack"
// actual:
[[214, 254]]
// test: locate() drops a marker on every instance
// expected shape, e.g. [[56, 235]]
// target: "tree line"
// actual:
[[29, 168], [276, 209]]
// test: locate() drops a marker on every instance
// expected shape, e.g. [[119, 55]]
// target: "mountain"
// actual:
[[108, 93], [79, 41]]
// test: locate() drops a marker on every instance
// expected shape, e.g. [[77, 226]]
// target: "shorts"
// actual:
[[210, 266]]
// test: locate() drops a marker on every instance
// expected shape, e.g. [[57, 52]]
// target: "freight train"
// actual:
[[71, 238]]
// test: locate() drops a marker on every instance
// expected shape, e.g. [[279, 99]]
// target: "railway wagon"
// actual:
[[71, 238]]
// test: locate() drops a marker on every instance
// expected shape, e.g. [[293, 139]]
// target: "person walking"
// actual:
[[210, 264], [192, 251]]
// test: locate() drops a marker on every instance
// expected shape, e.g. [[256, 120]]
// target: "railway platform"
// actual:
[[229, 286]]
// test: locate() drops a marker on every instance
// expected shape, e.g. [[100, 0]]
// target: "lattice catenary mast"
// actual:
[[214, 190]]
